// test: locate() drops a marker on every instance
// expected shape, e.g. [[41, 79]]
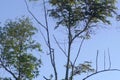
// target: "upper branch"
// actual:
[[79, 51], [34, 15], [85, 28]]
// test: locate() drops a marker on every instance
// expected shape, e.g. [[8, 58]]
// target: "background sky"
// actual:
[[102, 40]]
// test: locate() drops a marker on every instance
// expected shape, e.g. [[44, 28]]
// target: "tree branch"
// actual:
[[33, 15], [79, 51], [43, 37], [104, 60], [106, 70], [52, 57], [59, 46], [85, 28], [45, 78], [2, 64], [97, 60], [109, 59]]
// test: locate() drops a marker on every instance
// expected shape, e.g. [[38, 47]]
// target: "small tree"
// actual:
[[16, 46]]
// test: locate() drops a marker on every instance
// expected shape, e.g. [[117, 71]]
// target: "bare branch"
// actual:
[[79, 51], [43, 37], [109, 59], [106, 70], [34, 15], [45, 78], [97, 60], [104, 60], [59, 46], [51, 50]]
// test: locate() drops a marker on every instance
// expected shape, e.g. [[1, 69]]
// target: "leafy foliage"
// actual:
[[79, 10], [16, 47], [83, 68], [71, 13]]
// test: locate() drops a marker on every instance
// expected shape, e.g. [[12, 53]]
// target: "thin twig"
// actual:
[[79, 51], [45, 78], [109, 59], [59, 46], [104, 60], [43, 37], [34, 15], [71, 77], [97, 60]]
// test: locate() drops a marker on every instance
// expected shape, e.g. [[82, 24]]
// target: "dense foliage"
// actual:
[[16, 45], [72, 13]]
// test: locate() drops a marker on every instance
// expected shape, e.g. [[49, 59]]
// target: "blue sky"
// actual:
[[103, 39]]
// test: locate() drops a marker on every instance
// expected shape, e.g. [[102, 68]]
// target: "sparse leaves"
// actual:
[[83, 68]]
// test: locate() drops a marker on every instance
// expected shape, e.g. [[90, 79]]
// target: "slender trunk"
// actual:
[[69, 49]]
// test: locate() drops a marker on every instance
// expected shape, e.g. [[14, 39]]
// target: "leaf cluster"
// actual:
[[83, 68]]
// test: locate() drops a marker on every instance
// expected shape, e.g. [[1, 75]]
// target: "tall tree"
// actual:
[[79, 18], [71, 13], [16, 46]]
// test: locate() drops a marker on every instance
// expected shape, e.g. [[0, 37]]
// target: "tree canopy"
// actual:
[[16, 46], [71, 13]]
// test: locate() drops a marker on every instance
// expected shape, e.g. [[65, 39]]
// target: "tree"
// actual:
[[16, 46], [79, 18], [88, 12]]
